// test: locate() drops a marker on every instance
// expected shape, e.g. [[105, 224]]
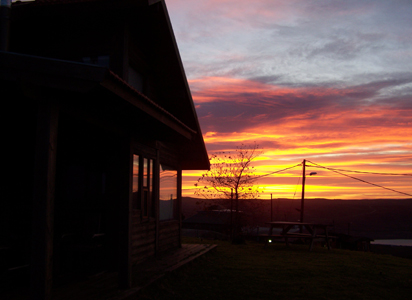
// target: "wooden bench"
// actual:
[[307, 231], [288, 236]]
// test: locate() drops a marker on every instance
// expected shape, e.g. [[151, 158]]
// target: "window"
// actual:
[[135, 187], [143, 182], [142, 188], [147, 185], [168, 193]]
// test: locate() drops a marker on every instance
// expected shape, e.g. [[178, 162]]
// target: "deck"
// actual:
[[104, 285]]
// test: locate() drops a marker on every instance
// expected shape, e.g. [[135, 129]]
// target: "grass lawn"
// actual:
[[251, 271]]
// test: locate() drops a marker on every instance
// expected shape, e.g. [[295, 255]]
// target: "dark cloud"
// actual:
[[238, 111], [263, 144], [267, 79], [338, 48]]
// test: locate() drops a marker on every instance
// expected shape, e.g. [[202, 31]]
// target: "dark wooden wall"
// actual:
[[144, 238], [169, 235]]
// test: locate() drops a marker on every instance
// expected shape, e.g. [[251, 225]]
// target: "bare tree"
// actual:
[[231, 177]]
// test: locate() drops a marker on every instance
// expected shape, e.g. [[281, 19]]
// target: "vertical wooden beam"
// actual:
[[156, 197], [43, 202], [140, 184], [125, 219], [179, 204]]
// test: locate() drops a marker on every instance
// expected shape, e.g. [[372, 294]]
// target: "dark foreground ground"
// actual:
[[251, 271]]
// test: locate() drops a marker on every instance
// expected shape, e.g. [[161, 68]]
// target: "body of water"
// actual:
[[393, 242]]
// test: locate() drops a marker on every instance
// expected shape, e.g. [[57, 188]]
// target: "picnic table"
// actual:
[[307, 231]]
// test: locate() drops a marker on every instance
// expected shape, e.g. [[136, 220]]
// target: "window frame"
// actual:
[[143, 199]]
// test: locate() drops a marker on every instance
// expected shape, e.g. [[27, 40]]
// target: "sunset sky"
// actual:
[[326, 81]]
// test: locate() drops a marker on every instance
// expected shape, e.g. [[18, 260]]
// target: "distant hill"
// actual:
[[189, 206], [377, 219]]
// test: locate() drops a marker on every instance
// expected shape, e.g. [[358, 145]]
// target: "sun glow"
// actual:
[[385, 158]]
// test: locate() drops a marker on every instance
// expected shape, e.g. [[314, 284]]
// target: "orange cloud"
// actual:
[[350, 128]]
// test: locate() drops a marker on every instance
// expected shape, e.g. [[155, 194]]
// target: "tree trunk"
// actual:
[[236, 229]]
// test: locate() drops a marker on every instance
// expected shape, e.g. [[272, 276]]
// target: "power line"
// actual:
[[362, 172], [296, 187], [333, 170], [257, 177], [337, 171]]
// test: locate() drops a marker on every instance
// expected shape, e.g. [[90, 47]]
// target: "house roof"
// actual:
[[51, 2], [176, 102], [63, 70], [68, 2], [179, 126], [58, 75]]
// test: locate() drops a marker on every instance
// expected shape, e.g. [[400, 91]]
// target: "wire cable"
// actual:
[[296, 188], [362, 172], [260, 176], [360, 179]]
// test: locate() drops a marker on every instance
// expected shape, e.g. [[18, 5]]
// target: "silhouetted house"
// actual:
[[97, 125]]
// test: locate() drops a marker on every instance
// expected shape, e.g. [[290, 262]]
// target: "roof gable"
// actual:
[[172, 90]]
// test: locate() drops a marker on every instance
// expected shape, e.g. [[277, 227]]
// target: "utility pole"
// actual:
[[231, 214], [271, 208], [302, 201]]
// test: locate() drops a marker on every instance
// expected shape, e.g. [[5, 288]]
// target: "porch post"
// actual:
[[156, 197], [179, 204], [43, 202], [125, 220]]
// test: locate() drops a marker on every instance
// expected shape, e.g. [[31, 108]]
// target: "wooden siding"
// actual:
[[143, 238], [169, 235]]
